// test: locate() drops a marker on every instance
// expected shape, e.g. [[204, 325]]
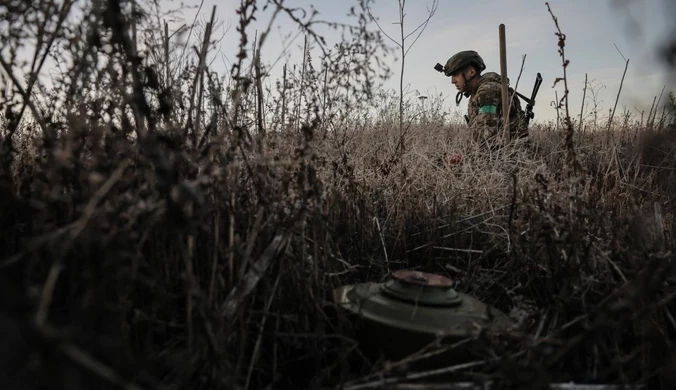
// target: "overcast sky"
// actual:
[[593, 28]]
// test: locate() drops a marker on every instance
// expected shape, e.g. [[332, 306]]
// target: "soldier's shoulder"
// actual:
[[489, 91], [490, 82], [489, 87]]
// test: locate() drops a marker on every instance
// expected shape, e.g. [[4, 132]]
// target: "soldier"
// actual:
[[484, 114]]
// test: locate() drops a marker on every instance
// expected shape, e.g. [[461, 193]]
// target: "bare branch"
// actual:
[[381, 29]]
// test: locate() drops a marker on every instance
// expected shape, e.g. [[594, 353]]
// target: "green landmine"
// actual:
[[411, 310]]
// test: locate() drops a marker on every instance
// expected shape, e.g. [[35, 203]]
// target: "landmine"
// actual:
[[412, 309]]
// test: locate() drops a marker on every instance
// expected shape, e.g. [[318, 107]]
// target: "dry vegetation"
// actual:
[[164, 226]]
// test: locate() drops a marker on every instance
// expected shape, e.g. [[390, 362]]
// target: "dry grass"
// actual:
[[172, 247]]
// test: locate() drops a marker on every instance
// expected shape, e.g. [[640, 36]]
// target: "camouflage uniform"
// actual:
[[485, 104], [485, 111]]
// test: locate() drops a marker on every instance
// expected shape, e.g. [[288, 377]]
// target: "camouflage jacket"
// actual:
[[485, 111]]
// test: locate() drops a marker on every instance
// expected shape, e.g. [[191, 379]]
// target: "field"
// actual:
[[167, 227]]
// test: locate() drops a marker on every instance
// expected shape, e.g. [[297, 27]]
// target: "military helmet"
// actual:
[[462, 60]]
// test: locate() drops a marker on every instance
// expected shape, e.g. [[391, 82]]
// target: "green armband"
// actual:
[[488, 110]]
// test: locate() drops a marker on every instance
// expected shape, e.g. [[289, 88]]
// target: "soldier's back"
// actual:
[[485, 109]]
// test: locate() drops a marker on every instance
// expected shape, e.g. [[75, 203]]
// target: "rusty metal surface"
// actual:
[[421, 289], [422, 279]]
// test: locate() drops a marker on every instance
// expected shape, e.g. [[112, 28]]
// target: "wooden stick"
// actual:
[[584, 94], [503, 71], [283, 99], [167, 69]]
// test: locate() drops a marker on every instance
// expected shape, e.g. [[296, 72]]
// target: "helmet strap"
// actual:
[[458, 97], [467, 80]]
